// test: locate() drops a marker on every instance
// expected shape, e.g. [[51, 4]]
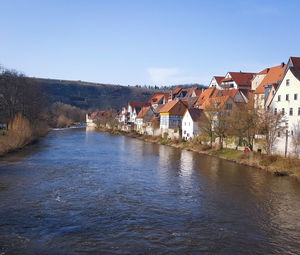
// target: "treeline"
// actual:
[[244, 126], [25, 112]]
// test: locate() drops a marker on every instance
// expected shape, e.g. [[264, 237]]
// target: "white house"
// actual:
[[216, 82], [237, 80], [287, 100], [133, 110], [190, 122]]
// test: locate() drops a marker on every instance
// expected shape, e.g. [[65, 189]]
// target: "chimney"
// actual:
[[282, 64]]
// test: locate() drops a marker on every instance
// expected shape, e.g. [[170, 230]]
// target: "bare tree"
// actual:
[[296, 138], [206, 124], [270, 125], [244, 124]]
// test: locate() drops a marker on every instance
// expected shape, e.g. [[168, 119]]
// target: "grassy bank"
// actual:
[[275, 164]]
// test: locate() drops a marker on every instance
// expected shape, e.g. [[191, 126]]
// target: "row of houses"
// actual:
[[177, 114]]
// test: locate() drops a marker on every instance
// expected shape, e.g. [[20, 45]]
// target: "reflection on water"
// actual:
[[79, 192]]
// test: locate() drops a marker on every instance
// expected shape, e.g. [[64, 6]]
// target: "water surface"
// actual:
[[79, 192]]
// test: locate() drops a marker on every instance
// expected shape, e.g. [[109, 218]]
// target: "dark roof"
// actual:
[[195, 114], [296, 72], [295, 61]]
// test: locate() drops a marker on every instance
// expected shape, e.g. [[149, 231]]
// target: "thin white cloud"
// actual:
[[171, 76]]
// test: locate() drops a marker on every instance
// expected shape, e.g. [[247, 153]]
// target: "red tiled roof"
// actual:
[[274, 76], [138, 104], [241, 78], [296, 61], [219, 79]]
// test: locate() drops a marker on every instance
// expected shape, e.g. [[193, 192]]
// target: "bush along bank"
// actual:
[[274, 164], [21, 133]]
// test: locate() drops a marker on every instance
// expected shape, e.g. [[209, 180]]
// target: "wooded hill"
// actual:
[[87, 95]]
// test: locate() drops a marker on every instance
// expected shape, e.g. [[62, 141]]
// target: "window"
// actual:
[[291, 111], [292, 132], [185, 123], [287, 82], [228, 106], [282, 110], [279, 97], [298, 111], [278, 134], [287, 97], [295, 96], [275, 111]]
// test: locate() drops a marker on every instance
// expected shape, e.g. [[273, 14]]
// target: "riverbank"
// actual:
[[274, 164]]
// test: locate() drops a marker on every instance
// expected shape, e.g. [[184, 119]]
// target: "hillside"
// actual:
[[88, 95]]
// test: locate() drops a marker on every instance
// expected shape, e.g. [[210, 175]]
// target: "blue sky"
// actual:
[[146, 42]]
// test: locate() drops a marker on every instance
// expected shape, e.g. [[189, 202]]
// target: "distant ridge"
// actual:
[[89, 95]]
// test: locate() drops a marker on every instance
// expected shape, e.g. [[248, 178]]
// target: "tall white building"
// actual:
[[287, 100]]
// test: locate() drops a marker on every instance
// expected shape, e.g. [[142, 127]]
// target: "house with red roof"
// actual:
[[216, 82], [237, 80]]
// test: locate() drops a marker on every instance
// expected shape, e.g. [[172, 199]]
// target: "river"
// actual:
[[82, 192]]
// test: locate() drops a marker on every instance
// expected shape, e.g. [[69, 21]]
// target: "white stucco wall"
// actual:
[[292, 89], [189, 127]]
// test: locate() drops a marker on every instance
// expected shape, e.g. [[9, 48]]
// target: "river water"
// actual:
[[80, 192]]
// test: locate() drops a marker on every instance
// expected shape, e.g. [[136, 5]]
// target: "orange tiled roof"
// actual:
[[176, 90], [226, 92], [265, 71], [204, 96], [143, 112], [157, 97], [168, 106], [215, 100], [274, 76]]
